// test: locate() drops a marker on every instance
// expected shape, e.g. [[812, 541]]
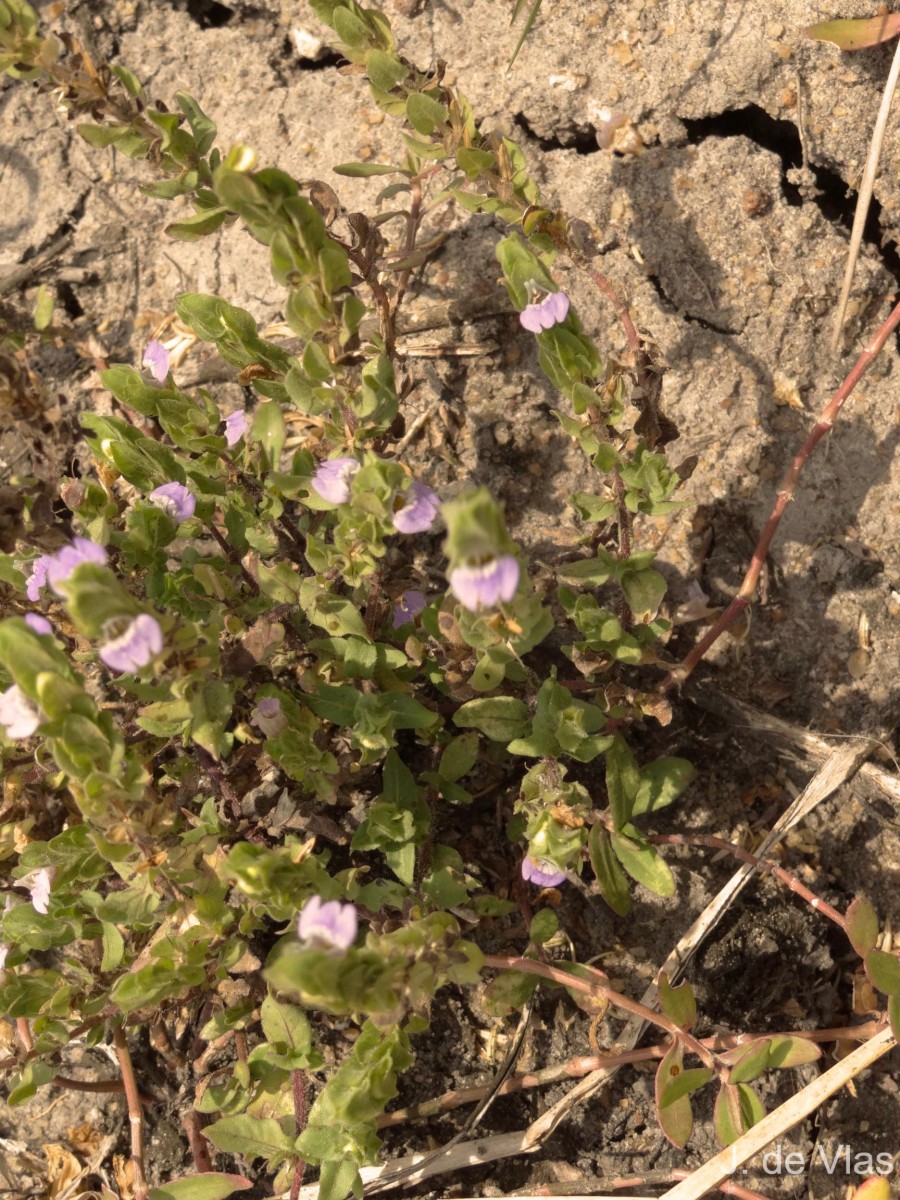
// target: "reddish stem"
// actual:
[[135, 1113], [783, 497], [298, 1088], [601, 988], [791, 881]]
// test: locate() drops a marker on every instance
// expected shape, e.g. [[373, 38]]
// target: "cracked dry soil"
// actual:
[[728, 234]]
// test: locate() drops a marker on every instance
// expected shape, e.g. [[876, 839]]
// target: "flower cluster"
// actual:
[[413, 512]]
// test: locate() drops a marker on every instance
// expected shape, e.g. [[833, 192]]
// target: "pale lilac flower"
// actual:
[[4, 950], [133, 649], [419, 510], [544, 313], [38, 577], [156, 360], [18, 714], [541, 872], [482, 585], [175, 499], [37, 623], [268, 716], [235, 426], [62, 564], [328, 925], [408, 607], [332, 479], [38, 883]]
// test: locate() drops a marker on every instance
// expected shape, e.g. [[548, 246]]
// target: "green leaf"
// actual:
[[269, 430], [884, 971], [424, 113], [673, 1109], [661, 783], [202, 127], [113, 947], [43, 308], [751, 1062], [191, 229], [792, 1052], [592, 572], [362, 170], [350, 28], [544, 925], [644, 592], [677, 1003], [212, 1185], [459, 756], [622, 781], [286, 1025], [643, 863], [501, 718], [250, 1136], [610, 877], [336, 1179], [385, 70], [862, 926], [507, 993], [856, 34], [737, 1109]]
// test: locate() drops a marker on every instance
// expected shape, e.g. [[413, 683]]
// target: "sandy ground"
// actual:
[[728, 233]]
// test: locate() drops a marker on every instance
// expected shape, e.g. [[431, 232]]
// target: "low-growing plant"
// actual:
[[235, 607]]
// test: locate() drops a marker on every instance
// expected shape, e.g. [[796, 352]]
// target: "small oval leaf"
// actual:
[[212, 1185], [883, 971], [862, 926], [610, 877], [675, 1116], [677, 1003]]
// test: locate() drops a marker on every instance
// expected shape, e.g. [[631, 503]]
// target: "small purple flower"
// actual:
[[268, 716], [156, 360], [133, 649], [328, 925], [543, 313], [419, 509], [175, 499], [37, 623], [62, 564], [38, 577], [541, 872], [484, 584], [38, 883], [408, 607], [332, 479], [18, 714], [235, 426]]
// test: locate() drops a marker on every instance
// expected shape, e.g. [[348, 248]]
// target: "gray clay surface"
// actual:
[[728, 234]]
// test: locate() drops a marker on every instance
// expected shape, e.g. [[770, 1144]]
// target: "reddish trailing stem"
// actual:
[[783, 497], [791, 881], [135, 1113]]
